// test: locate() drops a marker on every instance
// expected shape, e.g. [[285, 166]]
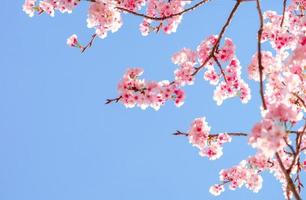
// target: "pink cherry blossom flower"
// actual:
[[73, 41], [47, 8], [134, 91], [104, 17], [267, 137], [216, 189], [29, 7]]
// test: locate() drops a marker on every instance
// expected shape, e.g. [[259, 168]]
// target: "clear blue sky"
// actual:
[[58, 141]]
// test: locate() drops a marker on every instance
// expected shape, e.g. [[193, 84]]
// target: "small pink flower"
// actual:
[[216, 189], [47, 8], [29, 7], [73, 41]]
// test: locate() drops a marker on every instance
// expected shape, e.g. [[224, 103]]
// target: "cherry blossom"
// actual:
[[208, 144], [29, 7], [49, 6], [134, 91], [278, 136], [73, 41], [104, 17], [216, 189], [186, 59], [246, 173]]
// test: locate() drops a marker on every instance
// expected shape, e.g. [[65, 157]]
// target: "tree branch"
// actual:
[[165, 17], [215, 47], [159, 18], [213, 135], [93, 37], [290, 183], [284, 12], [108, 101], [260, 67]]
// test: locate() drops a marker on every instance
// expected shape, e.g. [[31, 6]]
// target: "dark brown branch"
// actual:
[[231, 134], [284, 12], [165, 17], [215, 47], [300, 99], [290, 183], [297, 132], [298, 142], [260, 66], [108, 101], [160, 18], [298, 178], [93, 37], [220, 67], [180, 133], [290, 146], [213, 135]]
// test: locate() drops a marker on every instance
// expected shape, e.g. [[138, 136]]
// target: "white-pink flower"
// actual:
[[216, 189], [104, 17], [73, 41], [29, 7]]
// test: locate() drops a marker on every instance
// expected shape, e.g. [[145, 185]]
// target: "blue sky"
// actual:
[[58, 141]]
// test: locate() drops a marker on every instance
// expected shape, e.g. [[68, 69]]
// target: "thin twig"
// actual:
[[165, 17], [260, 66], [212, 135], [108, 101], [290, 146], [93, 37], [298, 142], [215, 47], [290, 183], [159, 18], [220, 67], [299, 98], [284, 12]]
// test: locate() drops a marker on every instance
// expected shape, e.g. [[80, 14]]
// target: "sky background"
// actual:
[[58, 141]]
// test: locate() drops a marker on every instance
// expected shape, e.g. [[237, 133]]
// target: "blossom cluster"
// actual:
[[231, 85], [187, 60], [163, 9], [270, 134], [301, 3], [246, 173], [105, 15], [134, 91], [210, 145], [228, 80], [49, 6]]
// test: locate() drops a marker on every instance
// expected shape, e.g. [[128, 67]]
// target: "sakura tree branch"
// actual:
[[298, 177], [215, 47], [300, 99], [298, 142], [297, 132], [212, 135], [165, 17], [260, 66], [108, 101], [290, 183], [160, 18], [284, 12], [220, 67], [93, 37], [290, 146]]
